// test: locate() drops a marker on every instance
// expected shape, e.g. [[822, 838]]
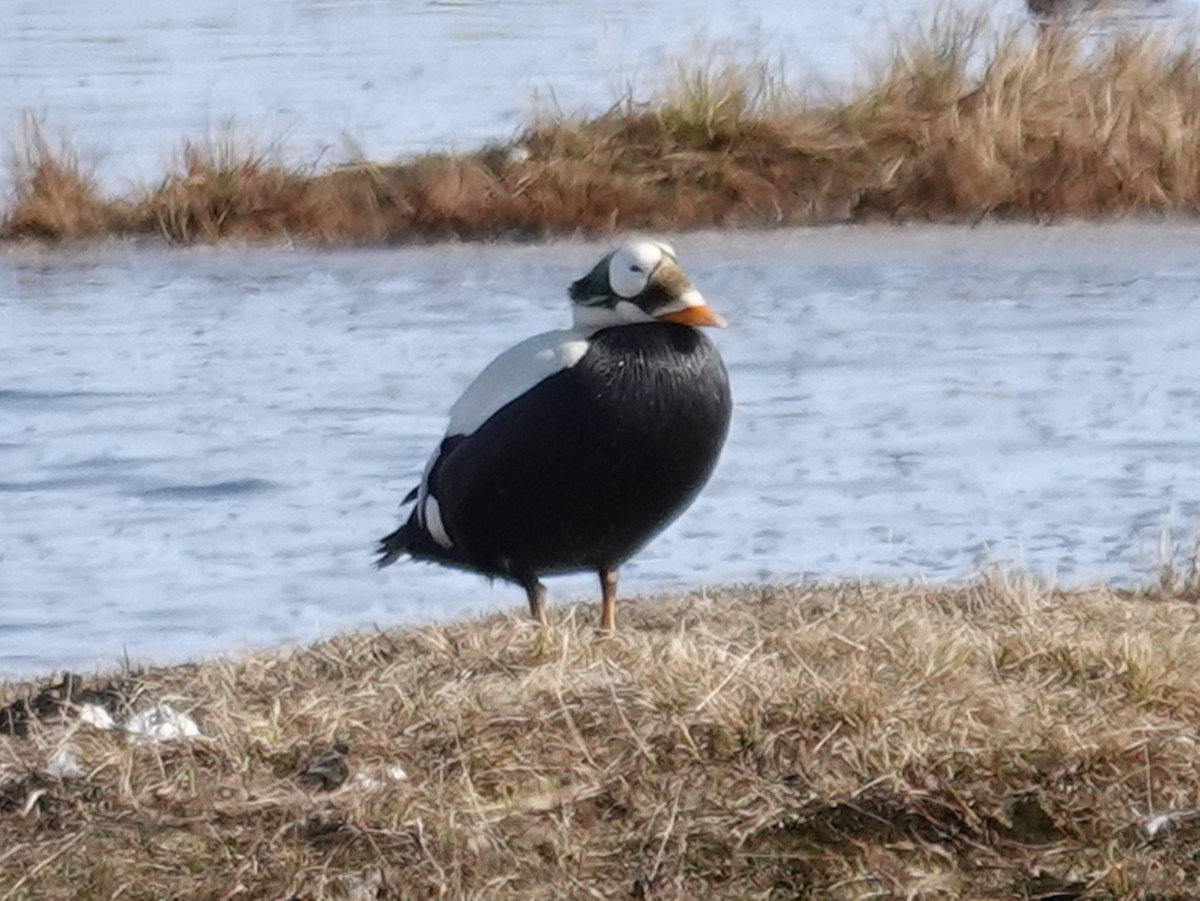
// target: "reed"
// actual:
[[999, 738], [53, 193], [223, 187]]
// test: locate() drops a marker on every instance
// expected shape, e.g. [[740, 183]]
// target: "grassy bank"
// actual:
[[958, 124], [997, 739]]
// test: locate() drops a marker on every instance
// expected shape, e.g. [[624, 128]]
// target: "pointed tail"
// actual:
[[394, 546]]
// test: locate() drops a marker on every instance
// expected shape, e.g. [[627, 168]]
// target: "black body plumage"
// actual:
[[583, 469]]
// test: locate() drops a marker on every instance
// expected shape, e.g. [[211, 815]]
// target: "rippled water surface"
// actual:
[[197, 448]]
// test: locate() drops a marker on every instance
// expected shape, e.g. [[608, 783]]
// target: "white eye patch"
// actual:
[[631, 266]]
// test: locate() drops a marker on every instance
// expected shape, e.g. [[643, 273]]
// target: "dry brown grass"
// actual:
[[958, 124], [998, 739], [54, 195], [223, 188]]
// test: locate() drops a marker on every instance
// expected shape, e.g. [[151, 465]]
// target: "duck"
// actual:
[[574, 448]]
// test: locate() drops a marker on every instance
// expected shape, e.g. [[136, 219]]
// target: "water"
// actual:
[[327, 80], [198, 448]]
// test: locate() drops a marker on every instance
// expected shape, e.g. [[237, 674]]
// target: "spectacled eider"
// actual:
[[574, 448]]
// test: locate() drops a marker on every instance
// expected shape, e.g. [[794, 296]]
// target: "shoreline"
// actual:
[[997, 737]]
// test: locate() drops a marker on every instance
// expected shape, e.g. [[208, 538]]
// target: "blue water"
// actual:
[[198, 448]]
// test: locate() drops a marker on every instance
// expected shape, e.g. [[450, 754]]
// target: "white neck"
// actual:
[[592, 319]]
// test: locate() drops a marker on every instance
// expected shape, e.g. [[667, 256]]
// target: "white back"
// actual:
[[512, 374]]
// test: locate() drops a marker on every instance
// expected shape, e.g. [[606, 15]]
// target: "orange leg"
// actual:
[[608, 595]]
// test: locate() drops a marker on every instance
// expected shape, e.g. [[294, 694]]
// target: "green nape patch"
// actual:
[[995, 739], [958, 123]]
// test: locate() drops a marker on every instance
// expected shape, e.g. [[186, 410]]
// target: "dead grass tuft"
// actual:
[[218, 189], [54, 196], [997, 739]]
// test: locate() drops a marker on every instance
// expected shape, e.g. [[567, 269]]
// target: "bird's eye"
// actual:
[[636, 268]]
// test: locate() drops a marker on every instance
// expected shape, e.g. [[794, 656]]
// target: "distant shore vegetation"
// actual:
[[960, 123]]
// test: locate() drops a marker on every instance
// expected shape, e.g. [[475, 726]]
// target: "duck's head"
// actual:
[[640, 281]]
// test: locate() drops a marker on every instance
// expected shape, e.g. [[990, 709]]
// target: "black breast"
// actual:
[[589, 465]]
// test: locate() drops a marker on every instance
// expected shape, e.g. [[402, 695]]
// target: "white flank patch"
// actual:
[[433, 521], [512, 374]]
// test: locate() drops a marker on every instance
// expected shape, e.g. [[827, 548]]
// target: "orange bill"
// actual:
[[694, 316]]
